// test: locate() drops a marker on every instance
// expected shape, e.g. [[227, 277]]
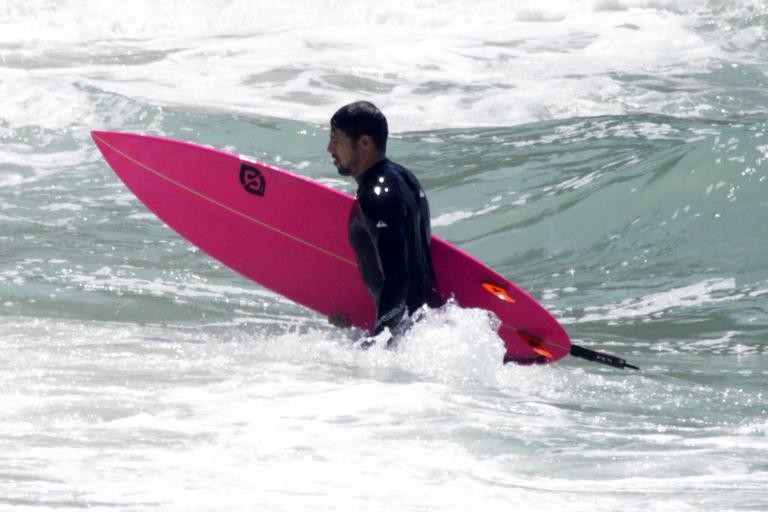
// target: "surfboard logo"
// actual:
[[252, 180]]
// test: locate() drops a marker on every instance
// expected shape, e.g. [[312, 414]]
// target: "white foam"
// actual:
[[427, 64], [654, 304], [447, 219], [56, 207], [28, 99], [129, 417], [107, 279]]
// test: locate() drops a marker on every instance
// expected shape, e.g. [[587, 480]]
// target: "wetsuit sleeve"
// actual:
[[385, 215]]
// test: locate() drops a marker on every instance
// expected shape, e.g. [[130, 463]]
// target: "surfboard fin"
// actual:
[[497, 291], [600, 357], [536, 344]]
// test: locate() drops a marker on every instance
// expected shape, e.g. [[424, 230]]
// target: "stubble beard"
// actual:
[[346, 170]]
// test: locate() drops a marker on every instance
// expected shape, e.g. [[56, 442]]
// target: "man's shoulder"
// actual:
[[404, 175], [385, 168], [382, 177], [383, 191], [398, 171], [398, 175], [394, 166]]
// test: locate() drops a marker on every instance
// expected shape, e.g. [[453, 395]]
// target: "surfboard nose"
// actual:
[[99, 137]]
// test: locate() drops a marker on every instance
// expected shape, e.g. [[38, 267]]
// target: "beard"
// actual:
[[343, 170], [346, 170]]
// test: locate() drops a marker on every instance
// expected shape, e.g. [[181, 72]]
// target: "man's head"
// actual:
[[358, 138]]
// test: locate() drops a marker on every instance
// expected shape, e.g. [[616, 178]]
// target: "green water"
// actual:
[[609, 157]]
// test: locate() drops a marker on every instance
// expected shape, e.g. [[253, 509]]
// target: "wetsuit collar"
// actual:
[[367, 175]]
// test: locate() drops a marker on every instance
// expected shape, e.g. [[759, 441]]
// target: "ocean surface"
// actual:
[[609, 156]]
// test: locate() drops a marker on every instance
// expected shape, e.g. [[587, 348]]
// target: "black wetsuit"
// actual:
[[390, 232]]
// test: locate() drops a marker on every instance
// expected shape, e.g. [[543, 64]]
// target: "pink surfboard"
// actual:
[[289, 234]]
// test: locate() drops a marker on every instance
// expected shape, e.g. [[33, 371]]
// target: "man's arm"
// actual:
[[385, 216], [391, 248]]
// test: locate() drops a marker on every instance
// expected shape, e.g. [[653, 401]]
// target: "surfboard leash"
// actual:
[[536, 343], [600, 357]]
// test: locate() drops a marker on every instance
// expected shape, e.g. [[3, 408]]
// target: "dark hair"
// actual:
[[362, 118]]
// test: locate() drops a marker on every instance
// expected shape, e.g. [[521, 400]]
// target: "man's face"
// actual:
[[343, 151]]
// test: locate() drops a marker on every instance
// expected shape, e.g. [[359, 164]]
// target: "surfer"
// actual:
[[389, 226]]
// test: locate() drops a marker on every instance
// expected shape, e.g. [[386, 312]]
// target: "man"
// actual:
[[389, 226]]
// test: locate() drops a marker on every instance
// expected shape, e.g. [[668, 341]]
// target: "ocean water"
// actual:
[[609, 156]]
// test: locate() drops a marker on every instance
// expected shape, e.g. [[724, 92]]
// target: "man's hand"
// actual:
[[340, 319]]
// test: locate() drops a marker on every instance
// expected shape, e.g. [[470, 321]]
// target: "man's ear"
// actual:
[[366, 142]]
